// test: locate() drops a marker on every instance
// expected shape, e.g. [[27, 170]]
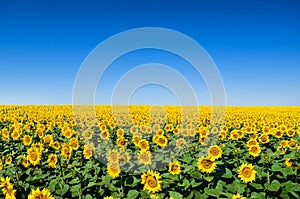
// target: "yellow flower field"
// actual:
[[140, 152]]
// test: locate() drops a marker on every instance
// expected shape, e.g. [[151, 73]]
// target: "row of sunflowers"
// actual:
[[149, 152]]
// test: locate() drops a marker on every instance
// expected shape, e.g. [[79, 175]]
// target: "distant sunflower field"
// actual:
[[141, 152]]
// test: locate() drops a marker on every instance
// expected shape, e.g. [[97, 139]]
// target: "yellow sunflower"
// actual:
[[120, 132], [288, 162], [40, 194], [145, 157], [27, 140], [5, 185], [104, 135], [283, 144], [252, 142], [180, 143], [8, 160], [151, 181], [234, 135], [34, 156], [113, 169], [122, 142], [247, 173], [277, 133], [292, 144], [162, 141], [254, 150], [74, 143], [52, 160], [25, 162], [66, 151], [48, 139], [206, 165], [238, 196], [174, 168], [113, 155], [264, 138], [214, 152], [144, 145], [55, 145], [5, 134]]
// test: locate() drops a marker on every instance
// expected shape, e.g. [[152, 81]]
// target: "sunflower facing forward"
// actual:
[[247, 173], [206, 165], [174, 168], [151, 181], [214, 152]]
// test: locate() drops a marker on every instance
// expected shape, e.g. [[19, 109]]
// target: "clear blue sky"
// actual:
[[255, 45]]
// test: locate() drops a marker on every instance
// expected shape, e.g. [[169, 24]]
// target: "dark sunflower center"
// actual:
[[151, 181]]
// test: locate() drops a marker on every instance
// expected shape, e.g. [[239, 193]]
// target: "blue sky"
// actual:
[[255, 45]]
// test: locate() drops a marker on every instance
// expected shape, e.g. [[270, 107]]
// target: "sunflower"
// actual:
[[113, 169], [180, 143], [251, 142], [74, 143], [38, 146], [38, 194], [16, 134], [104, 135], [34, 156], [288, 162], [5, 185], [237, 196], [254, 150], [162, 141], [25, 162], [264, 138], [214, 152], [87, 152], [88, 134], [247, 173], [48, 139], [292, 144], [206, 165], [253, 135], [55, 145], [27, 140], [122, 142], [159, 132], [113, 155], [5, 134], [8, 160], [174, 168], [169, 127], [144, 145], [52, 160], [145, 157], [136, 139], [277, 133], [120, 132], [151, 181], [66, 151], [283, 144], [234, 135]]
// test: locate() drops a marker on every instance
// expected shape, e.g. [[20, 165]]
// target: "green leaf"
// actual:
[[175, 195], [212, 192], [52, 185], [132, 194], [256, 185], [75, 190], [63, 190], [275, 185], [276, 167], [88, 197], [208, 178], [196, 175], [260, 195], [228, 174]]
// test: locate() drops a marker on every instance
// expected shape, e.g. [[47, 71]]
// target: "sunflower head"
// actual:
[[214, 152], [151, 181], [174, 168], [247, 173], [206, 165]]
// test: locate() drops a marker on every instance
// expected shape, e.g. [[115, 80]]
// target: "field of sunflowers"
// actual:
[[144, 152]]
